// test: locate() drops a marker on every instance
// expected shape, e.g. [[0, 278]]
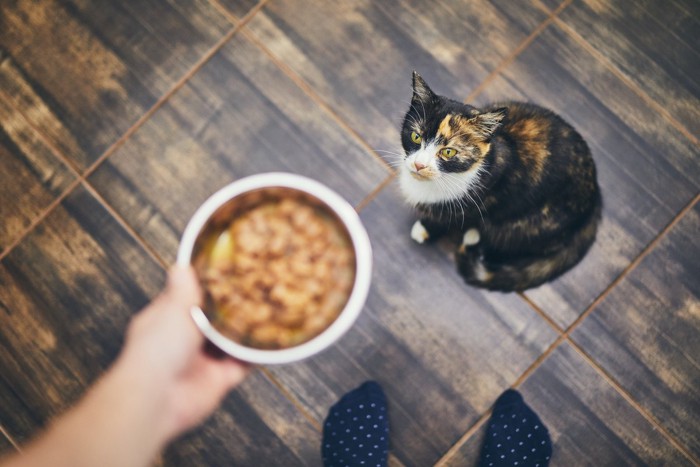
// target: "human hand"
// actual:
[[164, 346], [162, 384]]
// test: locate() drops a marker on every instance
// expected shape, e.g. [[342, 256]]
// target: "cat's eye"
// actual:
[[416, 138], [447, 153]]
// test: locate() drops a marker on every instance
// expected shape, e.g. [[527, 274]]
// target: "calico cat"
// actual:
[[514, 180]]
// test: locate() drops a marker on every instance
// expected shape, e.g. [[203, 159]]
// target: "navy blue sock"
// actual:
[[516, 435], [356, 430]]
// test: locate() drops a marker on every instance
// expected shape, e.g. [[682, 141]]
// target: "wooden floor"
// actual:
[[119, 118]]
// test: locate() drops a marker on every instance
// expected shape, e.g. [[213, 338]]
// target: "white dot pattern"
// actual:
[[516, 436], [363, 439]]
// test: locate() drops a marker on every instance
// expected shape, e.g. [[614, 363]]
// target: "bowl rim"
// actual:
[[363, 264]]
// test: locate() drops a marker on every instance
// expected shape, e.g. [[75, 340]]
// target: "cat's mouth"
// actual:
[[420, 176]]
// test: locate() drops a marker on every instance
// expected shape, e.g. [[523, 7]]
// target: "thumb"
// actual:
[[183, 287]]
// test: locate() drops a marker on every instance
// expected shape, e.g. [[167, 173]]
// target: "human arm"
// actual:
[[162, 384]]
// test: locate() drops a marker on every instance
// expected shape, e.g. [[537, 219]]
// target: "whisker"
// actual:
[[392, 153], [458, 193]]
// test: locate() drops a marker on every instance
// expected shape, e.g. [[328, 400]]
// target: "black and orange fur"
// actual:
[[537, 203]]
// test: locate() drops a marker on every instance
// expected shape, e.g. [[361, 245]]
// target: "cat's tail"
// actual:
[[493, 272]]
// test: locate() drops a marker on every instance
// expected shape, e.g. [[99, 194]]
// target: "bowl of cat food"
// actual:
[[284, 263]]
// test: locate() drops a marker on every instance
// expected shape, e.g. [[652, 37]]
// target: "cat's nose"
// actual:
[[419, 166]]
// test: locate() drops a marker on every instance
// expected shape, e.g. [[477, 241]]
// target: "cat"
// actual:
[[514, 181]]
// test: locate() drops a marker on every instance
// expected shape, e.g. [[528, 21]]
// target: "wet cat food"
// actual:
[[278, 273]]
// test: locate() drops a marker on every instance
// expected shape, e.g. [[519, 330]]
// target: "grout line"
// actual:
[[230, 16], [538, 361], [180, 83], [543, 7], [541, 312], [373, 194], [58, 155], [643, 254], [518, 50], [159, 103], [10, 439], [37, 220], [630, 400], [308, 90], [463, 439], [225, 12], [286, 393], [634, 87], [125, 225]]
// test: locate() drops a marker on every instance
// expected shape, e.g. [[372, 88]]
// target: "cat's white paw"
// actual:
[[418, 232], [481, 273], [471, 237]]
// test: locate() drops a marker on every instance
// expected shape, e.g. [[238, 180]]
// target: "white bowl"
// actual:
[[360, 243]]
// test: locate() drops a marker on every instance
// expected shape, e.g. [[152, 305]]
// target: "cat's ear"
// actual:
[[487, 123], [421, 90]]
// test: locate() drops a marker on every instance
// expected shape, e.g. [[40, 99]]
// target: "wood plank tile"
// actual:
[[86, 71], [589, 422], [238, 8], [647, 170], [238, 116], [358, 56], [67, 292], [6, 447], [654, 44], [31, 177], [439, 348], [645, 333], [256, 425], [552, 5]]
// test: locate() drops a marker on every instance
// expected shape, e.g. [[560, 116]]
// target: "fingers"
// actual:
[[213, 379], [234, 372]]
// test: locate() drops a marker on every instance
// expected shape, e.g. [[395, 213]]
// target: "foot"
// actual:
[[471, 238], [419, 232], [516, 436], [356, 430]]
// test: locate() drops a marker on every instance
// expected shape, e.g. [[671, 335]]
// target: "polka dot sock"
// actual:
[[356, 430], [516, 436]]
